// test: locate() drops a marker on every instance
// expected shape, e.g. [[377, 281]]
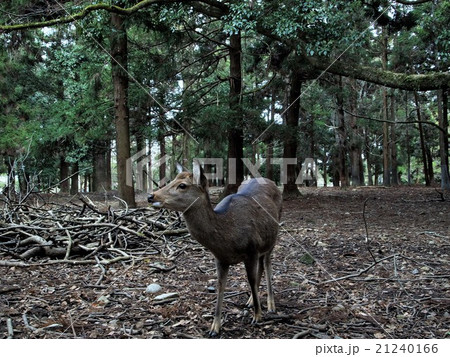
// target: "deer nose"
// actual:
[[150, 198]]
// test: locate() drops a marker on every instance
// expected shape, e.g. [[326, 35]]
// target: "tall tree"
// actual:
[[119, 67], [355, 144], [443, 138], [386, 126], [291, 134], [236, 131], [423, 145]]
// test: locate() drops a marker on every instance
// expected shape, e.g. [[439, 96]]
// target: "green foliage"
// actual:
[[240, 17], [57, 94]]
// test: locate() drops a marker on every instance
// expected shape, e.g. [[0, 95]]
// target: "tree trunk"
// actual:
[[63, 175], [119, 65], [143, 172], [386, 154], [393, 144], [430, 161], [309, 133], [325, 170], [335, 171], [101, 166], [108, 169], [377, 173], [269, 141], [162, 152], [422, 142], [74, 179], [368, 155], [357, 175], [341, 138], [386, 148], [24, 182], [269, 157], [443, 138], [236, 133], [290, 188], [409, 147]]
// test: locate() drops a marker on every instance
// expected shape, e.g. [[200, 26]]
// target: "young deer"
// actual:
[[243, 227]]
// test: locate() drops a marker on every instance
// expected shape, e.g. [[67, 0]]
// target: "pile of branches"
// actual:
[[79, 232]]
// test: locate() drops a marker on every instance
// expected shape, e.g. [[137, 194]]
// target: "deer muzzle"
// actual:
[[154, 203]]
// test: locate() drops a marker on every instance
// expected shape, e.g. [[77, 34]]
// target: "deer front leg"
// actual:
[[251, 266], [222, 274]]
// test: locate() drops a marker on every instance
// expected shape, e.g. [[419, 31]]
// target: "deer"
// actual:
[[242, 227]]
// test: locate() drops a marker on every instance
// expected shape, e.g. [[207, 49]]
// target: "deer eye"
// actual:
[[182, 186]]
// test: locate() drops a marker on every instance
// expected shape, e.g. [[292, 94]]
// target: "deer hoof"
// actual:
[[215, 329], [256, 319], [213, 334]]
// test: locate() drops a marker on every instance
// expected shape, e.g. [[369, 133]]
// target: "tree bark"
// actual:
[[235, 133], [290, 188], [393, 144], [341, 138], [63, 175], [368, 155], [386, 147], [162, 152], [74, 179], [422, 142], [119, 65], [357, 170], [270, 141], [101, 166], [386, 154], [443, 139]]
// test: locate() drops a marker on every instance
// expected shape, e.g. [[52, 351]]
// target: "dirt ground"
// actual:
[[333, 278]]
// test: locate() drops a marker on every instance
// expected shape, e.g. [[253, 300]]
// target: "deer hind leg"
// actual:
[[251, 266], [222, 274], [268, 268], [258, 283]]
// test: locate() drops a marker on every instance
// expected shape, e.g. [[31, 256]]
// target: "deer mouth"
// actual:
[[157, 204]]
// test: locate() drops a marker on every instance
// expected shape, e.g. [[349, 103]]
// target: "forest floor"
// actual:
[[333, 278]]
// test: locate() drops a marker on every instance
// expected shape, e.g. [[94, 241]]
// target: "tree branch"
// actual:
[[360, 272], [214, 7], [412, 2], [412, 82], [397, 122]]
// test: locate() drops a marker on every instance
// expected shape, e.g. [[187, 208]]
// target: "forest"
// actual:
[[358, 87], [338, 102]]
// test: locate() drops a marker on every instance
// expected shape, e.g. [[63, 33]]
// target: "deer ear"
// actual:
[[199, 177], [180, 168], [197, 172]]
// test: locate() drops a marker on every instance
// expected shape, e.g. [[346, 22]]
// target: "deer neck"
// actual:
[[204, 224]]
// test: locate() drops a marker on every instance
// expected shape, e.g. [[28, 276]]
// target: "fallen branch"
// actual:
[[10, 263], [360, 272], [301, 334]]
